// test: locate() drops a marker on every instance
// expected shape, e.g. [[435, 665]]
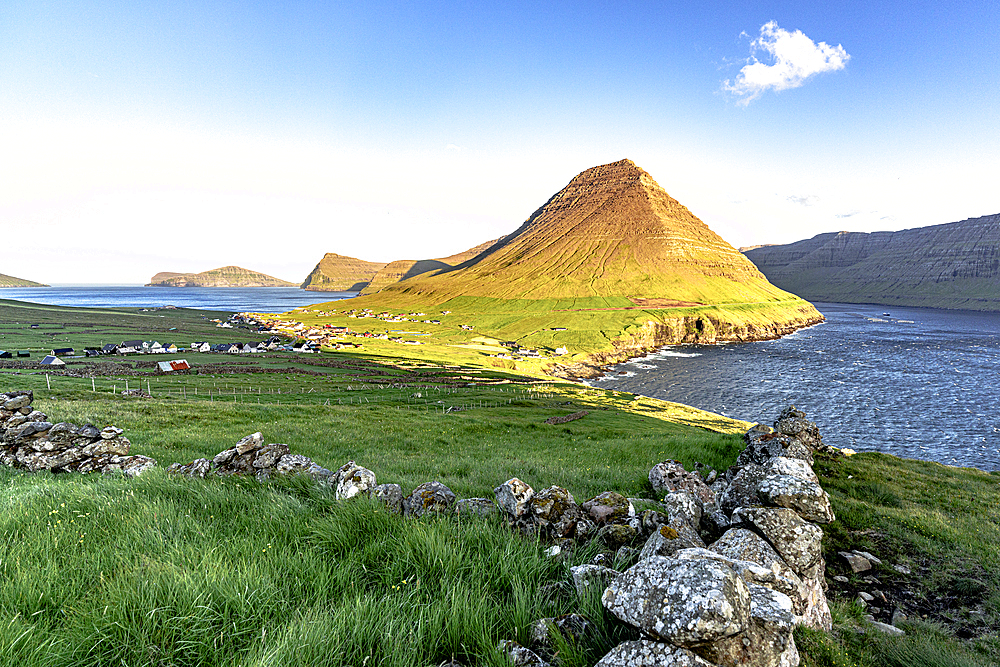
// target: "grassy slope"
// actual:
[[336, 273], [227, 572]]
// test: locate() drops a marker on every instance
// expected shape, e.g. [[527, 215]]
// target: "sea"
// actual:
[[915, 382], [230, 299]]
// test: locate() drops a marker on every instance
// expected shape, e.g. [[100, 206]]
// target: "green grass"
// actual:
[[229, 572]]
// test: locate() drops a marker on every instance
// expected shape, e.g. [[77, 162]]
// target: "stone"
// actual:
[[477, 506], [867, 597], [815, 609], [784, 465], [17, 402], [857, 562], [130, 466], [592, 577], [391, 495], [767, 640], [670, 476], [519, 656], [684, 602], [806, 498], [798, 542], [684, 505], [615, 535], [742, 490], [267, 456], [841, 579], [609, 507], [250, 443], [88, 431], [555, 512], [353, 480], [650, 653], [118, 446], [513, 497], [109, 432], [902, 569], [197, 468], [224, 456], [793, 423], [871, 559], [571, 627], [291, 464], [887, 629], [713, 525], [668, 540], [429, 497], [650, 520]]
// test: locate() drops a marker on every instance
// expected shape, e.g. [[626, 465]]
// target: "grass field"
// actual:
[[163, 571]]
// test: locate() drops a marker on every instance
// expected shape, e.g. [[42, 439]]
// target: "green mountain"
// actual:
[[612, 265], [954, 265], [11, 281], [226, 276]]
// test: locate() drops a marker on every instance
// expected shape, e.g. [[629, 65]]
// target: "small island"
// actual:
[[226, 276], [11, 281]]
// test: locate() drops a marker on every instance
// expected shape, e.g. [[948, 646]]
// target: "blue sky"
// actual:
[[381, 130]]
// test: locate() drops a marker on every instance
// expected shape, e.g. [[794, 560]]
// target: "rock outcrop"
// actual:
[[31, 442], [339, 273], [954, 265]]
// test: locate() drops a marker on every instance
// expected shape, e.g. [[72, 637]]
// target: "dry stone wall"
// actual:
[[719, 575], [30, 441]]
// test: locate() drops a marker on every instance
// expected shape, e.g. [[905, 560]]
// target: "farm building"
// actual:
[[4, 354], [175, 365], [50, 360], [61, 352]]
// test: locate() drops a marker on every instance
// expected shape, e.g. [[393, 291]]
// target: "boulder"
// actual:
[[783, 465], [742, 489], [807, 499], [671, 538], [609, 507], [767, 640], [650, 653], [782, 580], [513, 497], [250, 443], [267, 456], [353, 480], [684, 505], [856, 561], [555, 512], [391, 495], [616, 535], [670, 476], [684, 602], [477, 506], [429, 497], [763, 446], [798, 542], [793, 423], [519, 656], [197, 468], [118, 446]]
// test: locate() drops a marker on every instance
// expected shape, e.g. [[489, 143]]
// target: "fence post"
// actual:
[[47, 383]]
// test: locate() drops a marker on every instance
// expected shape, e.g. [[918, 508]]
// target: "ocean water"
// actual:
[[918, 382], [230, 299]]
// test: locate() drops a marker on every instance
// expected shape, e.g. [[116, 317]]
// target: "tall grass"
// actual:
[[162, 571]]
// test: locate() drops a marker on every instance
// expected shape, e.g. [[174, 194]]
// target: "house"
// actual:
[[561, 351], [110, 348], [201, 347], [61, 352], [247, 348], [130, 347], [92, 352], [170, 348], [303, 347], [235, 348], [175, 365], [4, 354], [153, 347], [23, 353], [50, 360]]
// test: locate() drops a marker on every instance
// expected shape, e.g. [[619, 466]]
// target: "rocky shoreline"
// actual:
[[703, 330]]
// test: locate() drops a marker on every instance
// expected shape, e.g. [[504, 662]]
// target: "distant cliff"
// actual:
[[11, 281], [226, 276], [955, 265], [339, 273]]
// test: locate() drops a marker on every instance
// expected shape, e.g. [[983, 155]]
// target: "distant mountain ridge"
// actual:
[[11, 281], [952, 265], [226, 276], [338, 273]]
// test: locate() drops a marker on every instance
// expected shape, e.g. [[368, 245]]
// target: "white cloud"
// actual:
[[796, 59], [803, 200]]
